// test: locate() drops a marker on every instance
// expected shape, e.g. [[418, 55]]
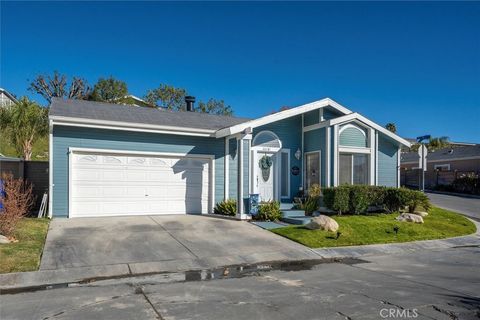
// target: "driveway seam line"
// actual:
[[188, 249]]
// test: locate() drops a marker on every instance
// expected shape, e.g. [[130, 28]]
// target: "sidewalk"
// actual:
[[39, 280]]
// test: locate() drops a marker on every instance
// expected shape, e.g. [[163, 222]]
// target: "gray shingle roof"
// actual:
[[445, 154], [142, 115]]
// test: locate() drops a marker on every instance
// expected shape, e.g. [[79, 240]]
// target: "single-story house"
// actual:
[[443, 165], [110, 160]]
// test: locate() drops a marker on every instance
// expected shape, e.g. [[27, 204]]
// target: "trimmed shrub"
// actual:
[[357, 199], [269, 211], [360, 199], [226, 207], [337, 198]]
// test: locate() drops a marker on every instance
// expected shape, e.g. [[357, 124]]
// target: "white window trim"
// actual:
[[210, 157], [287, 151], [354, 150], [352, 166], [356, 127], [266, 149], [319, 167], [443, 165]]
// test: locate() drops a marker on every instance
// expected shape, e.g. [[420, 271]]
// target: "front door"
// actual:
[[312, 169], [265, 173]]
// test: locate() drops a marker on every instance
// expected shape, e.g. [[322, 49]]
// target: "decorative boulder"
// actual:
[[4, 239], [323, 223], [422, 214], [410, 217]]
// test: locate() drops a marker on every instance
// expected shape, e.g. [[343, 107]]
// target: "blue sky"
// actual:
[[415, 63]]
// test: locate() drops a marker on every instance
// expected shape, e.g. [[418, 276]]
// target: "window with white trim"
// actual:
[[353, 168], [442, 167]]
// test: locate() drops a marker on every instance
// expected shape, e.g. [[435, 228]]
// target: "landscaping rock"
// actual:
[[422, 214], [4, 239], [410, 217], [322, 222]]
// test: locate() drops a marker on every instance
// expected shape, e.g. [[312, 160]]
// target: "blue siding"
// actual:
[[289, 131], [331, 113], [313, 141], [65, 137], [387, 162], [311, 118], [232, 169], [353, 137]]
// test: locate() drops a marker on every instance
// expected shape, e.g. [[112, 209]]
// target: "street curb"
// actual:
[[455, 194]]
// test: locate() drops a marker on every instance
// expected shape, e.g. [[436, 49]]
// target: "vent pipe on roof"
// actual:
[[190, 101]]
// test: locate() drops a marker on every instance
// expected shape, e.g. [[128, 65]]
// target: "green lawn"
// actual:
[[25, 254], [361, 230]]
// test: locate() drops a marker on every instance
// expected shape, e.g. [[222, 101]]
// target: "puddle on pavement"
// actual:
[[226, 272]]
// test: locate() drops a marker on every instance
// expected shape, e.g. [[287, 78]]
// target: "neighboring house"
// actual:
[[6, 98], [135, 101], [109, 160], [443, 165]]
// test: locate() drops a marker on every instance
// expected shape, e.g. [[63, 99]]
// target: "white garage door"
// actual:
[[109, 184]]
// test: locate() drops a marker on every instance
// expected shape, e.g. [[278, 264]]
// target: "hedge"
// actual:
[[358, 199]]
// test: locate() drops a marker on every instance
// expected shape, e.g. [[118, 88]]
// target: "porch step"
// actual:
[[286, 206], [293, 213], [299, 220]]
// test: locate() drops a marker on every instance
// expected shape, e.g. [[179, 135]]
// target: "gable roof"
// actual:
[[282, 115], [92, 112], [326, 102], [445, 154]]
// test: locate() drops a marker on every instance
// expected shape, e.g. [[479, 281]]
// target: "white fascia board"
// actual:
[[282, 115], [372, 124], [50, 169], [126, 126]]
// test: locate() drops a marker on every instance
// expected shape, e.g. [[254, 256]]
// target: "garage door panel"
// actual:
[[116, 184]]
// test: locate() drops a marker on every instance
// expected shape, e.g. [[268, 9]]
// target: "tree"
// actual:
[[23, 124], [391, 127], [438, 143], [434, 143], [56, 86], [214, 106], [167, 96], [109, 90]]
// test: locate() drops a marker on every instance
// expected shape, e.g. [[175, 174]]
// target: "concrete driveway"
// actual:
[[155, 243]]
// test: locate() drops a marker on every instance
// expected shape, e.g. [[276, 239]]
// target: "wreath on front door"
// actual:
[[265, 163]]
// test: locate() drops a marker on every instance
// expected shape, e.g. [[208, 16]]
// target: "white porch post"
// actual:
[[328, 159], [371, 135], [335, 155], [241, 214]]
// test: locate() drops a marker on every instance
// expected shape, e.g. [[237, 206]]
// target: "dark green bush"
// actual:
[[360, 199], [357, 199], [226, 207], [269, 211], [416, 199]]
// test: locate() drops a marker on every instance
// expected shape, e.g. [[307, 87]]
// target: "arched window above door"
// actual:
[[267, 141]]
